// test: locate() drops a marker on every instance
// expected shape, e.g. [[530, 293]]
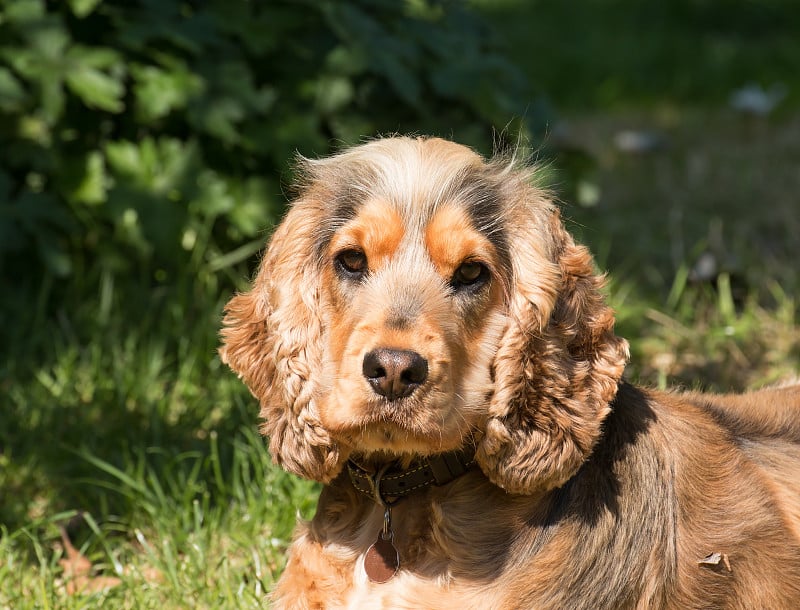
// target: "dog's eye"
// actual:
[[352, 263], [470, 273]]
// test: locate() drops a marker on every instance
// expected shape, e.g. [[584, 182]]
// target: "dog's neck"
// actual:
[[387, 480], [417, 533]]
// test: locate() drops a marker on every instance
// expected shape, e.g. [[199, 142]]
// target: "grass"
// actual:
[[120, 428], [144, 452]]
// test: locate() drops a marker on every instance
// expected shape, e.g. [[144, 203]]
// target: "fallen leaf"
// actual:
[[76, 564], [726, 562], [85, 584], [714, 559], [77, 569]]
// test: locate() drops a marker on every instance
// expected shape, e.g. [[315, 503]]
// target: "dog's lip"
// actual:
[[401, 419], [401, 413]]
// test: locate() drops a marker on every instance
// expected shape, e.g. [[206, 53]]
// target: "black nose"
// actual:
[[394, 373]]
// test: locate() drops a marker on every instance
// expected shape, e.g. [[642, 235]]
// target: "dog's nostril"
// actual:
[[394, 373]]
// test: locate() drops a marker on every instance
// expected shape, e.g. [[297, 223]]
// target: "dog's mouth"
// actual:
[[411, 424]]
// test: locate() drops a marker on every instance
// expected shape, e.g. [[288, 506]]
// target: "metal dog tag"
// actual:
[[382, 560]]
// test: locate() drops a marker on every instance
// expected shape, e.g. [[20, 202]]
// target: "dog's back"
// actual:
[[730, 467], [766, 426]]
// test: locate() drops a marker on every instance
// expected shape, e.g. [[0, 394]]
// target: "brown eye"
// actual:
[[470, 274], [352, 263]]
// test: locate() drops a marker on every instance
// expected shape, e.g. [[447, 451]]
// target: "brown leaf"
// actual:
[[713, 560], [85, 584], [76, 564], [150, 574], [77, 569], [726, 562]]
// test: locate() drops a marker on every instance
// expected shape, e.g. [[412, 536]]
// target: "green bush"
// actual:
[[143, 140]]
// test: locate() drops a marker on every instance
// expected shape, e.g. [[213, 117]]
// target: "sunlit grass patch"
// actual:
[[190, 529]]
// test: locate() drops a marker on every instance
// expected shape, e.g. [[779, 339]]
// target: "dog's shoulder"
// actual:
[[700, 449]]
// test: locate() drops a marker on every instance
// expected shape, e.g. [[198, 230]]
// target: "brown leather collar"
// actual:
[[391, 483]]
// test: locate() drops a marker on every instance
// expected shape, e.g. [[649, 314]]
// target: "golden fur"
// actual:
[[589, 492]]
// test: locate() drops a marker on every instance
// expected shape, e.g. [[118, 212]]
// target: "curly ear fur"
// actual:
[[272, 339], [558, 364]]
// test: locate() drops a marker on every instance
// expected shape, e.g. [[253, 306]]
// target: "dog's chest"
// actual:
[[394, 593], [431, 545], [380, 578], [405, 588]]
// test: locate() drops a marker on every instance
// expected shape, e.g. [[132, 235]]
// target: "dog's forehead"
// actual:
[[396, 189], [414, 176]]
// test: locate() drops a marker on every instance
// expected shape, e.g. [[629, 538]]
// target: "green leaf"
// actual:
[[257, 206], [219, 117], [124, 158], [97, 89], [347, 61], [101, 58], [215, 197], [83, 8], [333, 93], [12, 95], [22, 11], [159, 91], [233, 98], [165, 167], [43, 63], [93, 182], [52, 100]]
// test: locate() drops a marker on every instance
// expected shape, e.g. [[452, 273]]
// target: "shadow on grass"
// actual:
[[135, 392]]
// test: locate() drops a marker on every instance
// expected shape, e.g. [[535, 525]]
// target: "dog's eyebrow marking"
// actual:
[[354, 184], [451, 238], [436, 177], [377, 229], [483, 205]]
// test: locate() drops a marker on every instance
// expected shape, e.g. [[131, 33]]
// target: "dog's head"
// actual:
[[417, 298]]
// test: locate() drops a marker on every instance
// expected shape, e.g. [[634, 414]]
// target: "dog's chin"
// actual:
[[403, 427], [392, 440]]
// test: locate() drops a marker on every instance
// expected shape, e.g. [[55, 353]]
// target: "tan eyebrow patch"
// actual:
[[377, 230], [451, 239]]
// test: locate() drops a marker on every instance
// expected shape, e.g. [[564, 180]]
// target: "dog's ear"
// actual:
[[272, 337], [558, 363]]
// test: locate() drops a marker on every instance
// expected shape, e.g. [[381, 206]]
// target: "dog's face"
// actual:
[[412, 290], [417, 298]]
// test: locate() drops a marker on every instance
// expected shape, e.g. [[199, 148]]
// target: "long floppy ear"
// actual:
[[272, 337], [558, 363]]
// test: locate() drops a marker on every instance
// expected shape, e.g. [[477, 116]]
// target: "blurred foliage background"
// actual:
[[145, 151], [145, 142]]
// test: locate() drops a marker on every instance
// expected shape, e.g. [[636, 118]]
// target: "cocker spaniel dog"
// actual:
[[427, 341]]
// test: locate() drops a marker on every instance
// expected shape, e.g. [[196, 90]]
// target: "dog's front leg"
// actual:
[[313, 579]]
